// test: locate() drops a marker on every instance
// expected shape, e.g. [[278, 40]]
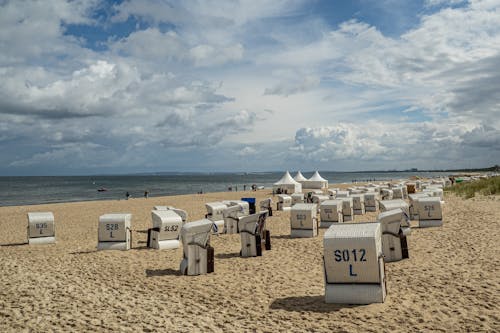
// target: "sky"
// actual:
[[113, 87]]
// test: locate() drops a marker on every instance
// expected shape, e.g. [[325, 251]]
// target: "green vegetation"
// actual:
[[487, 186]]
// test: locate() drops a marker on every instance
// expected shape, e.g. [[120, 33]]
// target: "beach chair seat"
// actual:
[[41, 228], [395, 226], [198, 255], [253, 234]]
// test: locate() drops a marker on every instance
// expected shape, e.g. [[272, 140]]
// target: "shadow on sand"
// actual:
[[307, 303], [281, 236], [16, 244], [227, 255], [162, 272]]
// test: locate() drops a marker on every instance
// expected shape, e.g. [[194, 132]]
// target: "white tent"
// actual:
[[299, 177], [287, 184], [316, 181]]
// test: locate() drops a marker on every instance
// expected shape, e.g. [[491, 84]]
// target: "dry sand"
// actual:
[[450, 283]]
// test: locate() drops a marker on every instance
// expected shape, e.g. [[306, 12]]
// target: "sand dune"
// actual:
[[450, 283]]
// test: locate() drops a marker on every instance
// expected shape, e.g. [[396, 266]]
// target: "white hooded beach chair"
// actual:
[[318, 199], [114, 232], [267, 205], [303, 220], [182, 213], [395, 226], [215, 213], [198, 255], [430, 213], [358, 204], [297, 198], [371, 201], [386, 194], [166, 229], [386, 205], [284, 202], [354, 264], [231, 215], [253, 234], [330, 213], [41, 228], [347, 209]]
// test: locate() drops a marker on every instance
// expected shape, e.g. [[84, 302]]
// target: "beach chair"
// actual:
[[114, 232], [244, 205], [412, 207], [386, 194], [284, 202], [166, 230], [297, 198], [342, 194], [198, 255], [371, 201], [386, 205], [353, 264], [182, 213], [215, 211], [330, 212], [395, 226], [303, 220], [231, 216], [41, 228], [430, 212], [358, 204], [253, 233], [318, 199], [267, 205], [347, 209]]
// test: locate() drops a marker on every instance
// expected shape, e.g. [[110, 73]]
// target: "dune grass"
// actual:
[[488, 186]]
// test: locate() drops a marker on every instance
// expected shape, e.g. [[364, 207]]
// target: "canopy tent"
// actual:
[[287, 184], [299, 177], [316, 182]]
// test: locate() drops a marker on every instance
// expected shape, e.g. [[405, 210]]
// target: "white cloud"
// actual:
[[201, 77]]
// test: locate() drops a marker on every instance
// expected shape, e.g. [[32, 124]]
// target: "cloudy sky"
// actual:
[[140, 86]]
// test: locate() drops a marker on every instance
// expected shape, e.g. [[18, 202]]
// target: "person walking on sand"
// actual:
[[127, 195], [146, 194]]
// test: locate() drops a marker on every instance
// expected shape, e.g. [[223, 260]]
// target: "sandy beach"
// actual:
[[451, 283]]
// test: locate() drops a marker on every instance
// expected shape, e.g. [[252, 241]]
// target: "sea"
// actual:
[[34, 190]]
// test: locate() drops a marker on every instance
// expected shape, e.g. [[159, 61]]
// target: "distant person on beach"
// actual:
[[244, 187], [146, 194], [127, 195]]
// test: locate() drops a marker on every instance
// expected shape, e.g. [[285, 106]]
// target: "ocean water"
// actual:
[[38, 190]]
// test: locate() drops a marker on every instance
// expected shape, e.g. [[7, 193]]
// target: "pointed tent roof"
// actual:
[[299, 177], [286, 179], [317, 177]]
